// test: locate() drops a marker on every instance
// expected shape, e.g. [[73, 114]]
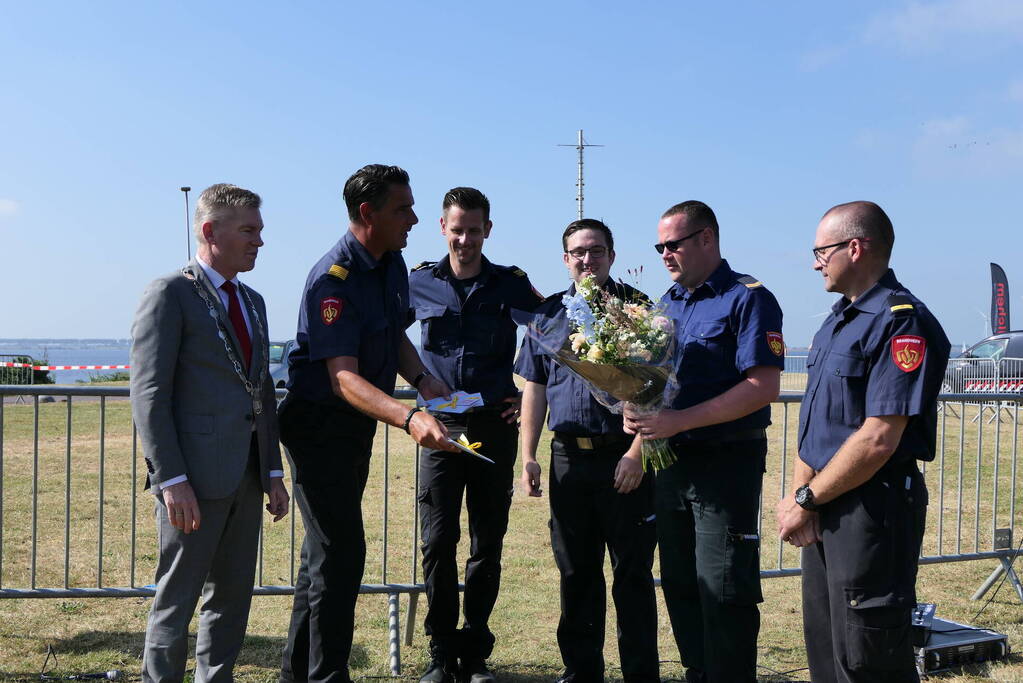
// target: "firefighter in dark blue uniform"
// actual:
[[858, 501], [600, 496], [351, 345], [464, 304], [731, 353]]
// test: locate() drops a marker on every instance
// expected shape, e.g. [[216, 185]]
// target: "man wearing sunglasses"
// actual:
[[731, 353], [858, 502]]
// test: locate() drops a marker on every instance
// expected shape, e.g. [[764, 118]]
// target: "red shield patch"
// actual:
[[330, 309], [776, 343], [908, 352]]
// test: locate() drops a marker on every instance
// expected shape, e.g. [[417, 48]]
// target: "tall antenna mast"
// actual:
[[580, 145]]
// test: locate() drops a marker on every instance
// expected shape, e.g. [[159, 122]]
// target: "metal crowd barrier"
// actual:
[[793, 378], [53, 456], [977, 376], [15, 375]]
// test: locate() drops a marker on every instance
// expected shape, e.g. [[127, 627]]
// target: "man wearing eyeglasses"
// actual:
[[858, 502], [463, 303], [600, 497], [731, 353]]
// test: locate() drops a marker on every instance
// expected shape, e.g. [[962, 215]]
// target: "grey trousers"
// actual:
[[217, 562]]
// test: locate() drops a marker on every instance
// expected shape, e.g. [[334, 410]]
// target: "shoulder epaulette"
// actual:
[[338, 271], [424, 264], [515, 270], [900, 304], [750, 281]]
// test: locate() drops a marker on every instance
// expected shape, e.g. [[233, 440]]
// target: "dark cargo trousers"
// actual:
[[859, 583], [330, 453], [707, 506], [443, 477], [587, 515]]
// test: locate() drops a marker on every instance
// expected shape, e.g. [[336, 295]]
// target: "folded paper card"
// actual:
[[457, 402]]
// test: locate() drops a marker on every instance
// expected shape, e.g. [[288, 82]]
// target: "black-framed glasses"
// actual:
[[818, 252], [579, 253], [673, 245]]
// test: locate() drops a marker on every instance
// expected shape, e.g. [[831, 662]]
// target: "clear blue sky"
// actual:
[[769, 112]]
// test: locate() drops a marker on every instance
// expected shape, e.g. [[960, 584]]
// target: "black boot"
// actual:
[[694, 675], [442, 667], [474, 670]]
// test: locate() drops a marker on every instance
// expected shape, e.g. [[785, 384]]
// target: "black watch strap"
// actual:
[[408, 418], [419, 378], [804, 498]]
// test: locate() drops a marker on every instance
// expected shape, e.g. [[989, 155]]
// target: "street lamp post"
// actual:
[[188, 232]]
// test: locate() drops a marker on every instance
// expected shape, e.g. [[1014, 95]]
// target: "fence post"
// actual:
[[1004, 566], [392, 631]]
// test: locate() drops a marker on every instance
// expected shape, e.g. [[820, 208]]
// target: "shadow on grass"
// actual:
[[257, 651], [535, 676]]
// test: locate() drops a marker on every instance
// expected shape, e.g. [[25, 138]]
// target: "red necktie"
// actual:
[[234, 312]]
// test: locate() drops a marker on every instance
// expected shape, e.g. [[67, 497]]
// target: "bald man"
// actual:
[[858, 501]]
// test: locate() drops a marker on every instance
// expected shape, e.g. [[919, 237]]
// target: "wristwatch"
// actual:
[[804, 498], [420, 377]]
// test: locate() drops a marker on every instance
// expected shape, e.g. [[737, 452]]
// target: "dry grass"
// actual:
[[101, 634]]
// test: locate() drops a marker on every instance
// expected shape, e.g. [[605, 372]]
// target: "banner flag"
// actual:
[[999, 300]]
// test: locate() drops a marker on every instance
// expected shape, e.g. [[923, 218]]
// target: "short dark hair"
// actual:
[[868, 220], [588, 224], [698, 215], [467, 199], [371, 184]]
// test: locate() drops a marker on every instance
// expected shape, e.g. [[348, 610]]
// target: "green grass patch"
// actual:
[[91, 635]]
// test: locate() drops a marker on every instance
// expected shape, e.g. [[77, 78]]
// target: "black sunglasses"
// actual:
[[673, 245]]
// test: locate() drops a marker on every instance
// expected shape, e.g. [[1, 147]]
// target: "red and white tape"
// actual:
[[65, 367]]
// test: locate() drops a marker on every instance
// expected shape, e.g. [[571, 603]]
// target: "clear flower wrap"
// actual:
[[623, 350]]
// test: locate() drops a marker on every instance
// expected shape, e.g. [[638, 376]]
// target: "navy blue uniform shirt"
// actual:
[[723, 328], [883, 354], [352, 305], [572, 408], [470, 344]]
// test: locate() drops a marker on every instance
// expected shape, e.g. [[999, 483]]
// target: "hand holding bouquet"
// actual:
[[624, 350]]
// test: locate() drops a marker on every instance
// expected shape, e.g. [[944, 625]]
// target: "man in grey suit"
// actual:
[[204, 406]]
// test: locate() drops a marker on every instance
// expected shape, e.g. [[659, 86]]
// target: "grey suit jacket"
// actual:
[[193, 414]]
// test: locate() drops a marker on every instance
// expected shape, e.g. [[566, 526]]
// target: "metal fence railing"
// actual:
[[793, 378], [14, 369], [74, 521]]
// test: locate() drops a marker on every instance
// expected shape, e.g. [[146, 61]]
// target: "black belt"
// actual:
[[899, 468], [592, 443], [740, 435]]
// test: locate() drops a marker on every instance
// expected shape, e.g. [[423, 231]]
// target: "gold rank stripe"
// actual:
[[339, 272], [902, 307], [754, 285]]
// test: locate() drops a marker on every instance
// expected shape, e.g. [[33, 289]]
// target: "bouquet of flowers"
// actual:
[[624, 351]]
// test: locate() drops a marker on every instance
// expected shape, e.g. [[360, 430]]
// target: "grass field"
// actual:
[[99, 634]]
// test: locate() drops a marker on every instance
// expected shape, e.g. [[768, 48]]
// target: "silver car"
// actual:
[[279, 362]]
